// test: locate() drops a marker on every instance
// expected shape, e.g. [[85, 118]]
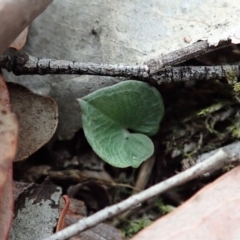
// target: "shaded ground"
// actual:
[[199, 117]]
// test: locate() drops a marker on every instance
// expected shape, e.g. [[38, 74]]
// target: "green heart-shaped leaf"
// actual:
[[109, 113]]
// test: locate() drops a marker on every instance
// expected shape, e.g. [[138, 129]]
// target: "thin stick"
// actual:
[[173, 58], [25, 64], [214, 162], [232, 150], [188, 73], [141, 182]]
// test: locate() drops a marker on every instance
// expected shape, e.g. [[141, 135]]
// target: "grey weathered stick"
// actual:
[[214, 162], [25, 64], [181, 55], [187, 73], [232, 150]]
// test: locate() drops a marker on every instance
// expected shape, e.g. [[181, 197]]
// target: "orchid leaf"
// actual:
[[117, 121]]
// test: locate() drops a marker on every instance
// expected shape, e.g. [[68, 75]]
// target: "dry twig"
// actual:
[[232, 150], [214, 162], [28, 65]]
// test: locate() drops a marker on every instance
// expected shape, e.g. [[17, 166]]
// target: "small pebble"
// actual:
[[187, 39]]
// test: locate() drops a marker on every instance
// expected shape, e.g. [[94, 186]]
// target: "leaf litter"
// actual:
[[184, 134], [74, 210], [204, 118], [8, 148], [37, 117]]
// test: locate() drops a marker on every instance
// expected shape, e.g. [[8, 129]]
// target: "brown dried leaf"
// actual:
[[61, 221], [21, 40], [6, 206], [37, 116], [8, 148], [4, 95], [76, 211], [210, 214], [76, 207], [8, 142]]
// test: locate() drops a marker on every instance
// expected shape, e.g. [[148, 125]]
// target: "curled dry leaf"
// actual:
[[37, 116], [20, 41], [61, 220], [210, 214], [8, 147]]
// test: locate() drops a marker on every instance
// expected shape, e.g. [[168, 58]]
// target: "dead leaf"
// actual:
[[36, 213], [8, 148], [61, 220], [4, 95], [8, 142], [210, 214], [20, 41], [37, 117], [6, 206], [76, 211], [76, 207]]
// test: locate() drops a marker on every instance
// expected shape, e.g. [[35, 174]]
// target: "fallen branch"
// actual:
[[187, 73], [181, 55], [214, 162], [25, 64], [232, 150]]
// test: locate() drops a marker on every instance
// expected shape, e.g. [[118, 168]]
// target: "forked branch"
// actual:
[[158, 70]]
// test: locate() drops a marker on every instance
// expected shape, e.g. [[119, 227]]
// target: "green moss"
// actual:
[[163, 208], [132, 227], [212, 108], [231, 77]]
